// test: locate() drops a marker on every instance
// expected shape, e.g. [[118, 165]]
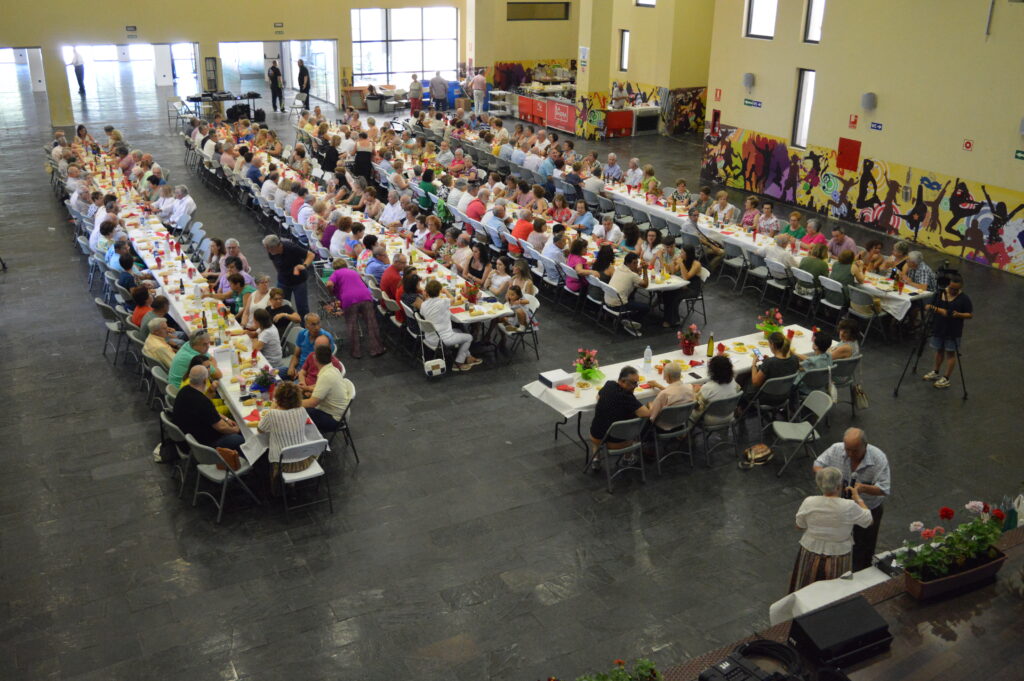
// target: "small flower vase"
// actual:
[[687, 347]]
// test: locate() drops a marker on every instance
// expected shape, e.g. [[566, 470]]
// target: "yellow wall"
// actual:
[[500, 40], [937, 77], [669, 43]]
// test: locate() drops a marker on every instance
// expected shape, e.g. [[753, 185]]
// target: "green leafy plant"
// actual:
[[943, 551], [643, 670]]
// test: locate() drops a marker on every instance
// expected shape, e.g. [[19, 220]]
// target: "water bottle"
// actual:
[[647, 356]]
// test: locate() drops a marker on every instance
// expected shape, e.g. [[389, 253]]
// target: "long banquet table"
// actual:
[[568, 404], [894, 302], [184, 287]]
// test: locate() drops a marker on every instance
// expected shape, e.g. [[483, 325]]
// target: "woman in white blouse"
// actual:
[[257, 301], [285, 423], [826, 549]]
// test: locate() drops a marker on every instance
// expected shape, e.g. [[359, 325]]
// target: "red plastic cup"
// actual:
[[790, 333]]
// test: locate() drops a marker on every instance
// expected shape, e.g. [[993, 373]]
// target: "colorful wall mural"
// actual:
[[966, 219], [685, 111]]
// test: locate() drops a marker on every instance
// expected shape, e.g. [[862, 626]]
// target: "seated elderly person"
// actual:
[[198, 344], [310, 369], [331, 395], [826, 547], [378, 262], [156, 346], [675, 392], [304, 342], [232, 249], [615, 402], [393, 211], [779, 251], [184, 206], [917, 273], [229, 265], [197, 416], [159, 308]]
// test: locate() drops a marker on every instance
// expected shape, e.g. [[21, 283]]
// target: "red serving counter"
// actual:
[[557, 114]]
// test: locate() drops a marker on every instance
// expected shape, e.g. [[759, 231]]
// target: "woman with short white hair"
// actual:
[[826, 548]]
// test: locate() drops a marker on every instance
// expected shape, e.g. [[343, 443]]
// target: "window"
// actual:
[[761, 18], [623, 50], [393, 45], [804, 102], [537, 11], [646, 3], [812, 24]]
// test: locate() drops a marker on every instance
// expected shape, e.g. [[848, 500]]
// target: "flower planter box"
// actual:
[[956, 582]]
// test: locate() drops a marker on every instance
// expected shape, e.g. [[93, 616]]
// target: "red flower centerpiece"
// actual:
[[470, 292], [688, 339], [769, 322]]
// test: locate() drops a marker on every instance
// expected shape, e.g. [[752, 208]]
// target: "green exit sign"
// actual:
[[752, 102], [1019, 154]]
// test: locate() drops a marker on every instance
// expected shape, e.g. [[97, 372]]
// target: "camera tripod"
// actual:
[[922, 341]]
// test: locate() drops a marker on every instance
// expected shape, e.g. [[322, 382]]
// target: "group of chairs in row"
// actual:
[[823, 299], [797, 434]]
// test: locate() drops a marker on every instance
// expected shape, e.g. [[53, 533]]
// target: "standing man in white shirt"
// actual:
[[619, 97], [866, 469], [79, 65], [478, 84]]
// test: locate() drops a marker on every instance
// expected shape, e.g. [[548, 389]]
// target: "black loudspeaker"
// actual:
[[259, 116], [841, 634]]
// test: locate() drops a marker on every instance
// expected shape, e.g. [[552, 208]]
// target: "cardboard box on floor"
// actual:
[[463, 103]]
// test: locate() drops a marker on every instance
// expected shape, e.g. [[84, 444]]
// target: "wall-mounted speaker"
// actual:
[[748, 80], [869, 101]]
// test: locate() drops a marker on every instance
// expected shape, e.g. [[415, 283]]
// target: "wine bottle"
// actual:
[[711, 345]]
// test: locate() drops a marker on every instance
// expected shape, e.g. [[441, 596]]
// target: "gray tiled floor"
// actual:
[[466, 545]]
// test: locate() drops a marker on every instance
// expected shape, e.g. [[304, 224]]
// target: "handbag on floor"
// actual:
[[758, 455], [860, 397]]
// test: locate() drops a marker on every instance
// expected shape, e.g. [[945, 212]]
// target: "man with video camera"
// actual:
[[949, 310]]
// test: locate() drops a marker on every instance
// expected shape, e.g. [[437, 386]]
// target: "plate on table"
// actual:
[[584, 385], [763, 343], [739, 347]]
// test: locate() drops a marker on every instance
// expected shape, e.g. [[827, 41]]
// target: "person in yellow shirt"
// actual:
[[156, 346]]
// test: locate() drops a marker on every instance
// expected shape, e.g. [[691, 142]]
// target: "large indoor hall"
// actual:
[[473, 339]]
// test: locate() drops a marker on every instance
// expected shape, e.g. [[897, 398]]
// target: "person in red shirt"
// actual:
[[300, 193], [141, 298], [391, 280], [310, 369], [522, 229], [478, 206]]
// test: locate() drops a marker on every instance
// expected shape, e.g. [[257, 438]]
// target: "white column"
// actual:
[[21, 56], [286, 64], [122, 53], [162, 65], [35, 69]]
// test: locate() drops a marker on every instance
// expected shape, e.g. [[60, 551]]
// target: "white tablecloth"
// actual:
[[820, 594], [568, 405]]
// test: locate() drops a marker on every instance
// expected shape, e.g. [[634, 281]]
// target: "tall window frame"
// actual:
[[390, 46], [814, 18], [760, 19], [623, 50], [804, 104]]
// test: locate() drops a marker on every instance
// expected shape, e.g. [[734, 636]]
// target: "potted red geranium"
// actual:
[[955, 558]]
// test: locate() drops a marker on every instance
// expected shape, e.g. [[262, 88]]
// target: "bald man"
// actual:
[[310, 369], [866, 469]]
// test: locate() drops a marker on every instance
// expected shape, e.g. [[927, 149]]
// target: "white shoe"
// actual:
[[632, 328], [931, 376], [942, 382]]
